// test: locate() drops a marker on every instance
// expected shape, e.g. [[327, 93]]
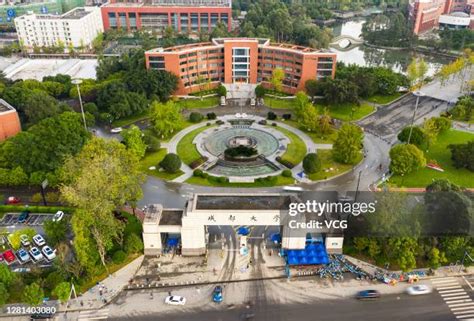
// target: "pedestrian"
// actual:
[[82, 303], [169, 293]]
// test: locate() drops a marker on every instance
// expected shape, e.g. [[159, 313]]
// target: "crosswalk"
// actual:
[[93, 315], [455, 296]]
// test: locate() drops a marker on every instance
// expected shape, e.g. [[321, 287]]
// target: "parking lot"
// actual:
[[33, 220]]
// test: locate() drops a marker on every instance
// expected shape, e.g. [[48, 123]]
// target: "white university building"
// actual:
[[78, 27]]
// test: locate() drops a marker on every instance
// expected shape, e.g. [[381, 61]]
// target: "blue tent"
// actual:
[[243, 231], [172, 242], [275, 238], [314, 253]]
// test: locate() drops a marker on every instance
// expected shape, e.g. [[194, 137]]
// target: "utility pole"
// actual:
[[418, 94], [77, 82]]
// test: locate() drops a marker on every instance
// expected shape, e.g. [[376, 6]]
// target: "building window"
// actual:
[[112, 20], [225, 19], [194, 21], [184, 22], [133, 20], [214, 19], [123, 20], [204, 21]]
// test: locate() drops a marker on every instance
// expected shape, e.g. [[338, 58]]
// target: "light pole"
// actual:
[[418, 94], [77, 82]]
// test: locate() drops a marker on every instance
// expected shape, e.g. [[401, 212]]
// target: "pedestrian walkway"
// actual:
[[93, 315], [455, 296]]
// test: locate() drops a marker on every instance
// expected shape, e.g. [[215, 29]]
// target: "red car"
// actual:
[[12, 200], [9, 256]]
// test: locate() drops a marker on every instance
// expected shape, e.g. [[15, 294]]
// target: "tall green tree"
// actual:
[[406, 158], [166, 118], [277, 79], [348, 145], [33, 294], [133, 139], [62, 291]]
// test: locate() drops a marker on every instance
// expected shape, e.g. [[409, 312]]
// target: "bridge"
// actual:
[[345, 42]]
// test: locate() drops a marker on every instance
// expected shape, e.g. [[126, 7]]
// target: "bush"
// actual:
[[211, 116], [286, 173], [311, 163], [271, 115], [152, 142], [91, 108], [406, 158], [171, 163], [286, 116], [133, 244], [36, 198], [52, 197], [221, 90], [197, 173], [240, 151], [222, 179], [462, 155], [220, 122], [418, 137], [285, 162], [119, 257], [195, 117], [259, 91], [274, 124]]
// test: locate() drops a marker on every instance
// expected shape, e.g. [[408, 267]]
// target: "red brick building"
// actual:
[[9, 121], [186, 16], [241, 61]]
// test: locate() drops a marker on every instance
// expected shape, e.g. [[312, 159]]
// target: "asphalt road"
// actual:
[[388, 308]]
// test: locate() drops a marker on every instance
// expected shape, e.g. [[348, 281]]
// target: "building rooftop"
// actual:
[[171, 217], [76, 13], [4, 106], [153, 213], [242, 202]]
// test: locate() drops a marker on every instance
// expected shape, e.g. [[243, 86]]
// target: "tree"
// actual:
[[308, 118], [6, 276], [462, 155], [348, 144], [133, 244], [55, 231], [434, 126], [404, 251], [195, 117], [152, 142], [418, 137], [325, 122], [416, 72], [171, 163], [219, 31], [338, 91], [312, 87], [14, 238], [436, 258], [221, 91], [62, 291], [4, 294], [259, 91], [166, 118], [132, 138], [33, 294], [117, 178], [311, 163], [277, 79], [406, 158]]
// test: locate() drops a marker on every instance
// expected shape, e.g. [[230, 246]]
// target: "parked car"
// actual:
[[23, 216], [175, 300], [23, 256], [9, 256], [48, 252], [252, 102], [368, 294], [12, 200], [419, 289], [36, 254], [116, 130], [25, 240], [39, 240], [42, 316], [58, 216], [217, 295]]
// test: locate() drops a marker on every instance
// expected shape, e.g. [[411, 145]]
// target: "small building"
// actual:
[[455, 21], [77, 28], [9, 120]]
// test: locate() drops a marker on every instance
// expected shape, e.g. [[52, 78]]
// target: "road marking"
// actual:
[[460, 304], [451, 291], [458, 301], [449, 287], [468, 283], [450, 300], [451, 294], [443, 280], [94, 315], [463, 308], [464, 316], [464, 312]]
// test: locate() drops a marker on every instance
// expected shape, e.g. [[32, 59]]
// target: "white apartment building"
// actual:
[[78, 27]]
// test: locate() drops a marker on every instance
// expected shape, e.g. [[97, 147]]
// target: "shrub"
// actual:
[[171, 163], [36, 198], [286, 173], [418, 137], [195, 117], [152, 142], [52, 197], [222, 179], [91, 108], [462, 155], [311, 163], [133, 244], [221, 90], [245, 151], [205, 175], [286, 116], [274, 124], [119, 257], [220, 122], [211, 116], [285, 162], [271, 115], [406, 158], [197, 173], [259, 91]]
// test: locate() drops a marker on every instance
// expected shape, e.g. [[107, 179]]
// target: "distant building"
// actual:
[[186, 16], [426, 15], [9, 121], [241, 61], [78, 27]]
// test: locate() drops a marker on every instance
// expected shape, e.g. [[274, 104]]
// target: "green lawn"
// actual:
[[208, 102], [296, 149], [328, 163], [152, 159], [130, 120], [278, 103], [383, 100], [442, 155], [315, 137], [344, 111], [281, 181], [187, 151]]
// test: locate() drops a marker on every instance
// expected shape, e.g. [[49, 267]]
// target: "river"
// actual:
[[397, 60]]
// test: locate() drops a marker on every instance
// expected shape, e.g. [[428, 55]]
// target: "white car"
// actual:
[[175, 300], [58, 216], [25, 241], [36, 254], [49, 253], [116, 130], [39, 240], [419, 289]]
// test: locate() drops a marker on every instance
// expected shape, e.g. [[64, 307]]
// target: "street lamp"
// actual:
[[77, 82], [418, 94]]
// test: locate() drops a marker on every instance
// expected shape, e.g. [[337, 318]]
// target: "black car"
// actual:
[[368, 294], [42, 316]]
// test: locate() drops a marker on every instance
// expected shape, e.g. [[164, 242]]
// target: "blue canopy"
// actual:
[[275, 238], [172, 242], [314, 253], [243, 231]]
